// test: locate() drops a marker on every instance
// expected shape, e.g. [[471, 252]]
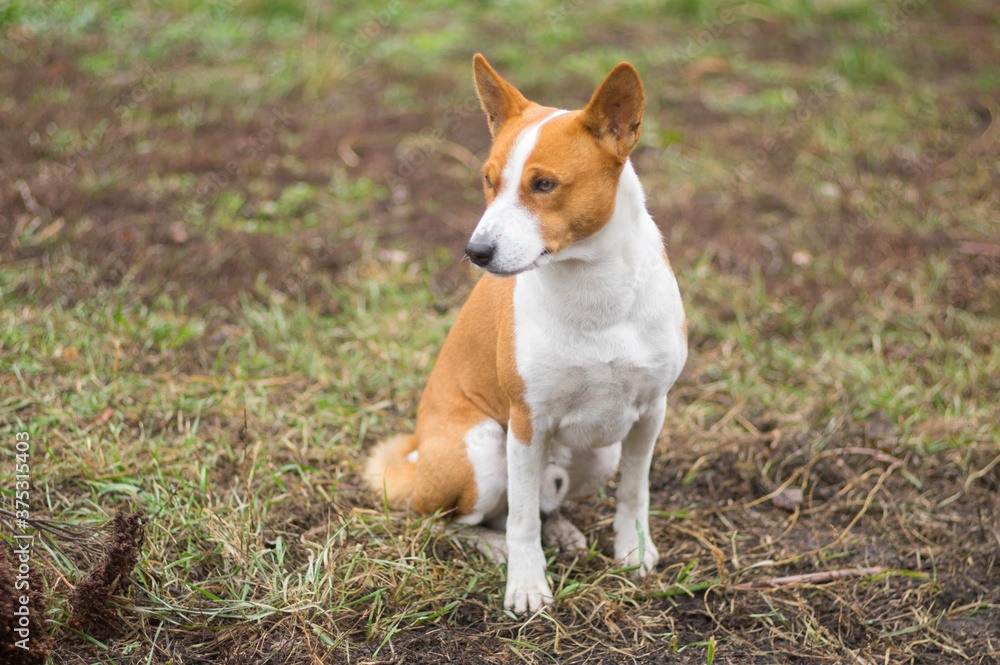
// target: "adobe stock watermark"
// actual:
[[22, 552], [696, 46], [985, 261], [938, 159], [896, 15], [819, 95], [247, 152], [430, 140], [355, 50], [222, 8], [562, 12], [122, 108], [676, 162], [929, 158], [15, 37], [217, 8]]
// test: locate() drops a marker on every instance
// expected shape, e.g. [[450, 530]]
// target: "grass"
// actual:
[[218, 346]]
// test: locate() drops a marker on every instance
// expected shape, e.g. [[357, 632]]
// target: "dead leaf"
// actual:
[[103, 417]]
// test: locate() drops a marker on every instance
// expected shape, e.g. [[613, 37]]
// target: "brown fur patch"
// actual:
[[502, 145], [475, 379], [388, 472], [587, 181]]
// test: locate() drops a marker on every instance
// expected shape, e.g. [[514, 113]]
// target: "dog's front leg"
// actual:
[[527, 588], [632, 514]]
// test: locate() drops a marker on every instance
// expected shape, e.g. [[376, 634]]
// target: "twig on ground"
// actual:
[[811, 578]]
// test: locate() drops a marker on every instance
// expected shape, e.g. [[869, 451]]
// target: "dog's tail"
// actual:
[[390, 470]]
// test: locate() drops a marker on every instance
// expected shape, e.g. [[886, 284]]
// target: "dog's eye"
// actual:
[[486, 179], [544, 185]]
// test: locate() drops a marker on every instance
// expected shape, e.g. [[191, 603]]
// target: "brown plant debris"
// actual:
[[113, 574]]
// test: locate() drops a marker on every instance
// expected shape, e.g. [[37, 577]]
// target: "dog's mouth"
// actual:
[[539, 261]]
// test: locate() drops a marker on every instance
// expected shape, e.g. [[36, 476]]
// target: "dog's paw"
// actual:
[[524, 598], [557, 531], [630, 557], [527, 588], [491, 543]]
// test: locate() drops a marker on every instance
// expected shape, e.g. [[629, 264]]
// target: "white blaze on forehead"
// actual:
[[523, 146], [506, 223]]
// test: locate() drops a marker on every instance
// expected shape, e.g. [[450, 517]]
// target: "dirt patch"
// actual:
[[860, 506], [90, 211]]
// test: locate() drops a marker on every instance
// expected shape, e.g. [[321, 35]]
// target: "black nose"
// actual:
[[480, 252]]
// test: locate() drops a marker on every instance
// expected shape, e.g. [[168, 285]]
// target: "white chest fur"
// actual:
[[599, 332]]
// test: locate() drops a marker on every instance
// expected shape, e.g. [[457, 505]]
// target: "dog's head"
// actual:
[[552, 176]]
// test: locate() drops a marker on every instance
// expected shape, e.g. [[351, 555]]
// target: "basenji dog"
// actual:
[[557, 368]]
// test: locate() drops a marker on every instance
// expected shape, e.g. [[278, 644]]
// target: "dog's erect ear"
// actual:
[[501, 101], [614, 113]]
